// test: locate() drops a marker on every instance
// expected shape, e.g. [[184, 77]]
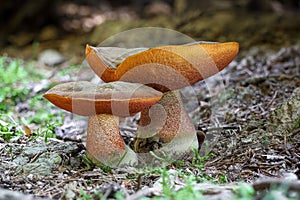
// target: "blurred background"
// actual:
[[29, 26]]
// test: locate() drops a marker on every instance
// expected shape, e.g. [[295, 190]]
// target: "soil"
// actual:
[[251, 125], [250, 117]]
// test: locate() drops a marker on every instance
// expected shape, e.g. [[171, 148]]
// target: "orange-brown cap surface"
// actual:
[[116, 98], [167, 67]]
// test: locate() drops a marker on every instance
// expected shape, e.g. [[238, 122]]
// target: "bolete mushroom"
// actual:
[[103, 104], [166, 69]]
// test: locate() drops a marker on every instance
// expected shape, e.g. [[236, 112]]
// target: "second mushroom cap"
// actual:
[[117, 98]]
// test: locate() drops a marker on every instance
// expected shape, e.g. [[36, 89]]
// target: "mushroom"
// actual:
[[104, 104], [166, 69]]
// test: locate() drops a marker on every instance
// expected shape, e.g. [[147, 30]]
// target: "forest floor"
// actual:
[[250, 114], [251, 125]]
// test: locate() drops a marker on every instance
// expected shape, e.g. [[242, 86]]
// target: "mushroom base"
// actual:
[[104, 143], [166, 128]]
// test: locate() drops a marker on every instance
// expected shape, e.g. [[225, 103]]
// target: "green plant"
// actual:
[[8, 150], [296, 123], [84, 196], [12, 70], [205, 178], [244, 192], [265, 141], [166, 182], [13, 82], [9, 130], [43, 112], [90, 163], [168, 193], [187, 192], [222, 178], [198, 161], [178, 163], [132, 176], [119, 196], [106, 169], [48, 132]]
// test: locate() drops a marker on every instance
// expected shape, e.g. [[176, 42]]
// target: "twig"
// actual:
[[225, 127], [35, 157], [284, 140], [128, 129], [139, 182], [272, 100]]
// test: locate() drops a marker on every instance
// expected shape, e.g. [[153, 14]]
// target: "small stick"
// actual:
[[272, 100], [139, 182]]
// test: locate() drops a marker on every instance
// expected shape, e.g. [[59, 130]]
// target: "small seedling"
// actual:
[[198, 161], [265, 141], [84, 195], [9, 128], [296, 123], [222, 178], [187, 192], [12, 73], [244, 192]]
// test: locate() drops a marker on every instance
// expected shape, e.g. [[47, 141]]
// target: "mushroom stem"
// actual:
[[168, 125], [104, 143]]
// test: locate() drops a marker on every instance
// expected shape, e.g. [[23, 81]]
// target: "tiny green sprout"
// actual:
[[265, 141], [187, 192], [47, 133], [178, 163], [8, 150], [86, 161], [244, 192], [198, 161], [132, 176], [105, 169], [119, 196], [296, 123], [84, 195], [9, 130], [166, 182], [12, 73], [222, 178]]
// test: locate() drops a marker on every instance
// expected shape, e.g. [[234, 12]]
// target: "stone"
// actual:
[[41, 159], [14, 195], [51, 57], [285, 118], [42, 166]]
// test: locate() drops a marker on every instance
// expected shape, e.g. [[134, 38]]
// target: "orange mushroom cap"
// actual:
[[164, 68], [116, 98]]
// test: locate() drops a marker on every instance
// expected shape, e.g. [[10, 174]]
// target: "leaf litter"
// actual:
[[252, 135]]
